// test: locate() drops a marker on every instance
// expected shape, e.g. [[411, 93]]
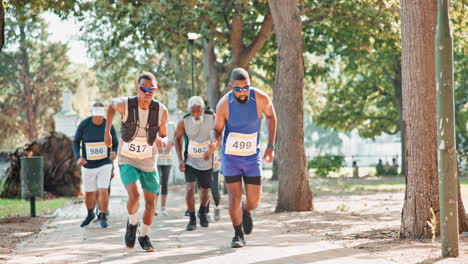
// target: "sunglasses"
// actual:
[[238, 89], [147, 89]]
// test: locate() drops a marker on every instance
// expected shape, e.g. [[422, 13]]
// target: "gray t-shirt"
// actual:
[[165, 157], [198, 136], [147, 164]]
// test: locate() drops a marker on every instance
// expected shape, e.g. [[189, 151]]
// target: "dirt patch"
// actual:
[[369, 221], [17, 229]]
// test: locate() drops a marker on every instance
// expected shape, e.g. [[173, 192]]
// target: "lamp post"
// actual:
[[447, 158], [192, 37]]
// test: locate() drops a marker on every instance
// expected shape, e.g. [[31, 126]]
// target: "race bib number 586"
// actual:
[[138, 148], [241, 144]]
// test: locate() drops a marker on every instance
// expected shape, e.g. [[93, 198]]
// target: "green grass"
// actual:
[[352, 185], [357, 188], [357, 185], [464, 181], [18, 207]]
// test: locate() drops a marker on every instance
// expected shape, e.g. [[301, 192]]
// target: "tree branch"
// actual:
[[215, 31], [382, 92], [260, 39], [236, 42], [260, 77], [313, 20]]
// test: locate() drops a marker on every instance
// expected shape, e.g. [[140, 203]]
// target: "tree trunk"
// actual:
[[418, 25], [399, 104], [25, 79], [274, 169], [211, 74], [2, 26], [61, 174], [241, 53], [294, 190]]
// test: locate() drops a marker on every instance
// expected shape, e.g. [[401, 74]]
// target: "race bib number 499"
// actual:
[[197, 150], [138, 148], [96, 151], [241, 144]]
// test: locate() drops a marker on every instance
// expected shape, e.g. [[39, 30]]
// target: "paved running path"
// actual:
[[61, 240]]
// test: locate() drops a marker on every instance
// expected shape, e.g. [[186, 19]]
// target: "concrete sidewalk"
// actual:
[[62, 240]]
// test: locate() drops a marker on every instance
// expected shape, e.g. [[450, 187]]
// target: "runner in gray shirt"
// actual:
[[196, 130]]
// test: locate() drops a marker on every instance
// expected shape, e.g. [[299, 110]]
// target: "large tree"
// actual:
[[121, 36], [418, 25], [32, 74], [294, 191]]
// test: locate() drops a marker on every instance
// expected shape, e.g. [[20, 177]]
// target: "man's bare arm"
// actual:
[[179, 136], [163, 126], [116, 105], [220, 120], [270, 115]]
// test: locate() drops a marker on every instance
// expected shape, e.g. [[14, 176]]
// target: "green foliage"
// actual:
[[361, 65], [459, 22], [361, 56], [319, 137], [326, 163], [32, 74], [127, 37]]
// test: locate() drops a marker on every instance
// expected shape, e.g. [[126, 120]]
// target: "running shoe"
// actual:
[[88, 219], [145, 243], [192, 225], [217, 214], [103, 220], [130, 235], [237, 241]]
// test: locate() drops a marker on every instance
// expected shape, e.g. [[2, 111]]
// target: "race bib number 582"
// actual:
[[196, 149], [241, 144]]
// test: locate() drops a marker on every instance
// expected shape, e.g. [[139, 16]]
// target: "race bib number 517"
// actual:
[[241, 144], [138, 148]]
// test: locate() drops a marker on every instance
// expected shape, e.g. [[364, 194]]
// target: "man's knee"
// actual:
[[252, 205], [134, 196], [235, 200], [190, 188], [149, 206]]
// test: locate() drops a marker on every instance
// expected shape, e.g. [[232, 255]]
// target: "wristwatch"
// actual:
[[271, 146]]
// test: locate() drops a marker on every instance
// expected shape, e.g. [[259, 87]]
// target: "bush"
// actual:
[[385, 170], [380, 170], [324, 164]]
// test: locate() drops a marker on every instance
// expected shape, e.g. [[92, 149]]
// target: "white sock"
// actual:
[[144, 230], [133, 219]]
